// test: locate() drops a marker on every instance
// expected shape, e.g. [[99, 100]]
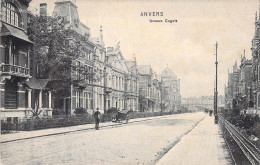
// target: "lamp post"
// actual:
[[161, 95], [216, 88]]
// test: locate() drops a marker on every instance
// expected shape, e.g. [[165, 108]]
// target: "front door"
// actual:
[[67, 106], [11, 94]]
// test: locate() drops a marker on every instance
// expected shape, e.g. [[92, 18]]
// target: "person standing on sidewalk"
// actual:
[[97, 118]]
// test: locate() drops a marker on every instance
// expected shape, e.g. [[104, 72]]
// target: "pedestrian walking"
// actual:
[[97, 118]]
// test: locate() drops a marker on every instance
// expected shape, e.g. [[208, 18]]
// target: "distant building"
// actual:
[[149, 89], [198, 103], [245, 82], [132, 85], [170, 90], [232, 88]]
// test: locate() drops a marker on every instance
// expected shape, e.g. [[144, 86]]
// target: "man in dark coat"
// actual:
[[97, 118]]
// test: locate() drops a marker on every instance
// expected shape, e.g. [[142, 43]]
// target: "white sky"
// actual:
[[186, 46]]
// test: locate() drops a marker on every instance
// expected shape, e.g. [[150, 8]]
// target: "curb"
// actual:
[[78, 130], [178, 140]]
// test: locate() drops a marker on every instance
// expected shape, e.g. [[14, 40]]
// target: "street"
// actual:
[[142, 142]]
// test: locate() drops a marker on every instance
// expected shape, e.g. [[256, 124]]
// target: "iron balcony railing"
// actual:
[[15, 70]]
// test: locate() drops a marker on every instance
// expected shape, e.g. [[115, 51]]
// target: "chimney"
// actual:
[[43, 9]]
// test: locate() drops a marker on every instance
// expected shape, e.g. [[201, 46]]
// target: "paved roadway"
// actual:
[[135, 143]]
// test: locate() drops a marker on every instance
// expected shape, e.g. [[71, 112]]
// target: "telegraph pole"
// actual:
[[216, 88], [161, 95]]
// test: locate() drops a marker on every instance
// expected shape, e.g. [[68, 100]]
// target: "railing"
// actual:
[[248, 148], [15, 70]]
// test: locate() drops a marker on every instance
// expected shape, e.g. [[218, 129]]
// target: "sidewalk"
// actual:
[[202, 146], [62, 130]]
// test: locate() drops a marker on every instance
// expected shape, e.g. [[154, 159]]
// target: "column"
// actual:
[[102, 102], [107, 102], [96, 100], [2, 95], [10, 51], [40, 99], [29, 98], [49, 99], [28, 59]]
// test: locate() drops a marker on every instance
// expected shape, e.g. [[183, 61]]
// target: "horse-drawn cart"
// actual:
[[121, 116]]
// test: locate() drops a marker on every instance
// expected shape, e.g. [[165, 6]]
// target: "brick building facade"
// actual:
[[20, 90]]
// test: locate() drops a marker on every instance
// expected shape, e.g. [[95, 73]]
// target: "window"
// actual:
[[113, 82], [15, 120], [258, 72], [7, 60], [90, 74], [86, 73], [119, 83], [100, 101], [87, 55], [77, 99], [9, 119], [258, 100], [78, 69], [86, 100], [116, 82], [128, 82], [10, 14], [90, 96]]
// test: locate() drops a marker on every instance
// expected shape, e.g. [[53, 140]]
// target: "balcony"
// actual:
[[14, 70], [108, 90]]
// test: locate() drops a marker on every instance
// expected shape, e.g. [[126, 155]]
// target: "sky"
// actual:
[[186, 46]]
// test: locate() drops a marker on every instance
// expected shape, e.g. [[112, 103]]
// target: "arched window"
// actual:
[[10, 14]]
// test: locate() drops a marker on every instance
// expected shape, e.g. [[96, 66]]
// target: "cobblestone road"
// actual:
[[136, 143]]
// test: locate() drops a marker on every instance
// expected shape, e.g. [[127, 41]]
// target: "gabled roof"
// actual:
[[68, 10], [131, 65], [115, 58], [144, 69]]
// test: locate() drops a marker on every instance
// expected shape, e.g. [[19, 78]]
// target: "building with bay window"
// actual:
[[19, 88], [132, 85], [256, 65]]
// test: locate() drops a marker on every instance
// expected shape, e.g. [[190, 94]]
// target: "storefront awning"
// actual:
[[37, 83], [18, 33]]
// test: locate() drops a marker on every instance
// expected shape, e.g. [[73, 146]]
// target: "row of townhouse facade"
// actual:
[[239, 86], [113, 80], [114, 83], [242, 88]]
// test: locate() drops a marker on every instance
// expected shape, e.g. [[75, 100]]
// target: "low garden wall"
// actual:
[[65, 121]]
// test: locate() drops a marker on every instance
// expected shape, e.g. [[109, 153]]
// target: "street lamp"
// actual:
[[216, 88], [161, 95]]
